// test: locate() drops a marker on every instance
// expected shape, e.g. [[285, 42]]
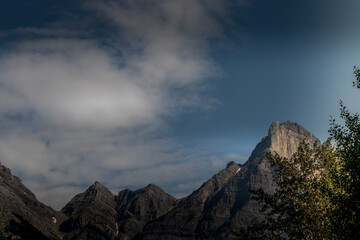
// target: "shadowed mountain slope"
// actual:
[[91, 215], [98, 214], [183, 219], [22, 216], [137, 208]]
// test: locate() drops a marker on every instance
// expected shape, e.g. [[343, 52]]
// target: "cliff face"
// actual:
[[219, 209], [285, 137]]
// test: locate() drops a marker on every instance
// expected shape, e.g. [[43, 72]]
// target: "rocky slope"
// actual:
[[98, 214], [182, 221], [219, 209], [91, 215], [22, 216], [137, 208]]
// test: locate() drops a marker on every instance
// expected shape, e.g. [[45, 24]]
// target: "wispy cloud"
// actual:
[[75, 110]]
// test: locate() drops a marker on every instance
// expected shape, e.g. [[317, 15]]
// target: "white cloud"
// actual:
[[74, 112], [74, 83]]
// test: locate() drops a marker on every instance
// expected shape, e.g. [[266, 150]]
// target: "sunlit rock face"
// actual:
[[285, 137]]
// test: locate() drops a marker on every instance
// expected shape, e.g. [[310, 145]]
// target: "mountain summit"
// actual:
[[219, 209], [285, 137]]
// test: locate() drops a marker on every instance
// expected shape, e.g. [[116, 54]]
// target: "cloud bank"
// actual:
[[77, 109]]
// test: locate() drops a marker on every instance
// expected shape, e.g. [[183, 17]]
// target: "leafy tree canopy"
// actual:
[[318, 188]]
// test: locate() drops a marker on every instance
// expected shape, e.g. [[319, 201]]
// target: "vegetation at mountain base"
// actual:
[[318, 188]]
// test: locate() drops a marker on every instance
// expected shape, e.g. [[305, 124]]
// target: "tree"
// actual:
[[345, 215], [298, 208], [318, 189], [356, 83]]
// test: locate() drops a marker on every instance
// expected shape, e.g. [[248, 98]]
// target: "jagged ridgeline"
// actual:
[[219, 209]]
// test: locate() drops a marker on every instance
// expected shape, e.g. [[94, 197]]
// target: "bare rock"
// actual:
[[182, 221], [91, 215], [137, 208], [22, 216]]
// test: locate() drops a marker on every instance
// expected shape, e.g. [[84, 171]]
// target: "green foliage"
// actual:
[[345, 216], [318, 189], [356, 83], [298, 207]]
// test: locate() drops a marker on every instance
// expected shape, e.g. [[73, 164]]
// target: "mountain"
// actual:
[[98, 214], [231, 209], [183, 220], [22, 216], [137, 208], [92, 215], [219, 209], [224, 209]]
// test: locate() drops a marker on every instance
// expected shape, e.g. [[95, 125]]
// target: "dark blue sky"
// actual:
[[293, 61], [132, 92]]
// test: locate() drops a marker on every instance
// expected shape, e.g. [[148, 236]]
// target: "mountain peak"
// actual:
[[97, 185], [152, 190], [285, 137], [137, 208], [277, 127], [231, 164], [97, 189], [152, 187], [95, 193], [5, 173]]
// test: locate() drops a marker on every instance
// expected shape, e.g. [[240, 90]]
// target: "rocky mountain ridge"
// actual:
[[21, 214], [219, 209]]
